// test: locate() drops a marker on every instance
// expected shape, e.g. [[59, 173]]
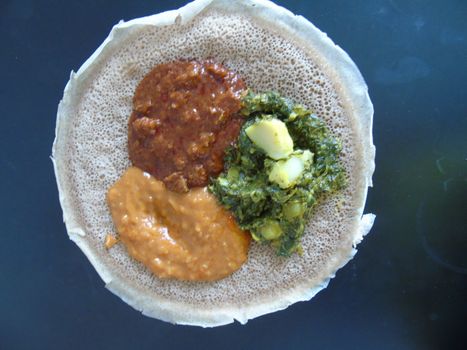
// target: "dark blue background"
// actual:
[[407, 286]]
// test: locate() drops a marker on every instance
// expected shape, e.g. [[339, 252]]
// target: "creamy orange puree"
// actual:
[[185, 236]]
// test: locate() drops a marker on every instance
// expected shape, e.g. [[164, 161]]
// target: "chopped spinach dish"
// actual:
[[284, 162]]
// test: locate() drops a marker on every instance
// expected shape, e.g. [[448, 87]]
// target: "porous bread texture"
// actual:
[[272, 50]]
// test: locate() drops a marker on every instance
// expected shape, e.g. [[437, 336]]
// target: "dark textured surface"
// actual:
[[407, 286]]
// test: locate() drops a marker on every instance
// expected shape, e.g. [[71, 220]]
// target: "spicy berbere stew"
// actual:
[[185, 114]]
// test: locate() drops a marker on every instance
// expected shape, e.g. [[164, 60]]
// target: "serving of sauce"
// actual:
[[187, 236], [185, 114]]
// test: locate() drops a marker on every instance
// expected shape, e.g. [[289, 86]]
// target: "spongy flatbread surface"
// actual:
[[272, 50]]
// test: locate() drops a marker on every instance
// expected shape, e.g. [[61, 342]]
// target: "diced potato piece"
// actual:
[[293, 210], [272, 136], [270, 230], [286, 172]]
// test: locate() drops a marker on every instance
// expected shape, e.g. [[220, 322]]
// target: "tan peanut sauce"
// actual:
[[187, 236], [185, 113]]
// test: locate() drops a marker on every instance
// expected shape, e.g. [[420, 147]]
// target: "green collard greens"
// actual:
[[270, 213]]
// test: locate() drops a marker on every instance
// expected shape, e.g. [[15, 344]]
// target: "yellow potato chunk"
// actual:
[[272, 136], [286, 172], [270, 230]]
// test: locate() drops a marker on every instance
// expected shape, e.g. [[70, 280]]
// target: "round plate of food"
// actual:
[[213, 161]]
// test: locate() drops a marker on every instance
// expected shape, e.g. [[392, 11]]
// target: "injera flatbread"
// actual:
[[272, 49]]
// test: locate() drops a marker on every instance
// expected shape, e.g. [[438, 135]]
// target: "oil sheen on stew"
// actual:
[[185, 114]]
